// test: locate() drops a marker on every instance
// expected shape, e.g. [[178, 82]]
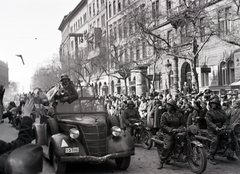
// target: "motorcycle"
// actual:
[[229, 141], [140, 133], [186, 149]]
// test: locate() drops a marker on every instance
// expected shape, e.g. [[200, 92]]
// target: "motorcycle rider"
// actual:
[[130, 113], [171, 122], [216, 121]]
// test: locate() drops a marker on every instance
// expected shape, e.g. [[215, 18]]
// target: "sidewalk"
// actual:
[[7, 131]]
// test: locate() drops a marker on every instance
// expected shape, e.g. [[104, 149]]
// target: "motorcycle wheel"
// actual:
[[197, 159], [237, 150], [146, 139]]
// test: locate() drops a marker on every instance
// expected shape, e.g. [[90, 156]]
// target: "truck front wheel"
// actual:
[[123, 163], [59, 167]]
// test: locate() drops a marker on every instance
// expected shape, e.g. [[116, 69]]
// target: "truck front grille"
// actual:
[[95, 137]]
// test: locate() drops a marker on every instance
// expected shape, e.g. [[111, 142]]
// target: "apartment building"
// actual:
[[209, 52]]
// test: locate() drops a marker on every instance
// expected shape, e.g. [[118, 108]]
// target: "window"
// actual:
[[144, 50], [119, 5], [114, 7], [224, 24], [110, 11], [121, 56], [72, 46], [120, 30], [204, 78], [185, 34], [103, 20], [90, 11], [115, 32], [84, 17], [126, 54], [170, 37], [81, 21], [123, 2], [110, 31], [223, 68], [202, 30], [124, 29], [102, 1], [231, 71], [93, 9], [171, 78], [169, 5], [130, 27], [137, 51], [97, 5], [131, 54], [155, 9], [98, 22]]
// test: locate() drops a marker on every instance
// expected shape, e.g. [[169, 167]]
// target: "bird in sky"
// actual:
[[19, 55]]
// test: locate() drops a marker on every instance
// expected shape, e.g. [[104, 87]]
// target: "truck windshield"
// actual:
[[81, 105]]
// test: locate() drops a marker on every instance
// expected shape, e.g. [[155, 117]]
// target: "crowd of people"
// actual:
[[167, 114], [170, 113]]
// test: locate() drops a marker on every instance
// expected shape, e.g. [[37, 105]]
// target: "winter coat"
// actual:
[[25, 136]]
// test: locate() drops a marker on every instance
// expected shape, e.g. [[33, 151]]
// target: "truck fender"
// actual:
[[52, 126], [40, 134], [121, 143], [59, 142]]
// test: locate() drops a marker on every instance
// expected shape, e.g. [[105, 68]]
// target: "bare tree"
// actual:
[[47, 75], [192, 25]]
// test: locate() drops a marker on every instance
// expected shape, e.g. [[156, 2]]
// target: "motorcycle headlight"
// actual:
[[116, 131], [74, 133]]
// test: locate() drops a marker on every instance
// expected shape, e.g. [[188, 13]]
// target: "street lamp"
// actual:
[[168, 66]]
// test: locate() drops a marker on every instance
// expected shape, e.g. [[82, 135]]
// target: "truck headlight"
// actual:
[[74, 133], [116, 131]]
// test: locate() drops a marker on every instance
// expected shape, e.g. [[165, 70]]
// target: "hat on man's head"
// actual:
[[207, 91], [130, 102], [215, 100], [172, 103], [64, 76]]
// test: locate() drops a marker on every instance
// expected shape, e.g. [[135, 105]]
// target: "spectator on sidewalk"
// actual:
[[25, 136]]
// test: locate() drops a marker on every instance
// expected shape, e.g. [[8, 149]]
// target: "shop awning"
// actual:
[[235, 83]]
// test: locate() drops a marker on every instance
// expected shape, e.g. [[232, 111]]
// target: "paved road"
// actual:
[[144, 161]]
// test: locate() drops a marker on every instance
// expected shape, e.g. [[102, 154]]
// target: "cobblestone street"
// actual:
[[144, 161]]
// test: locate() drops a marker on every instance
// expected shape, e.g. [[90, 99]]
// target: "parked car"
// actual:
[[81, 132]]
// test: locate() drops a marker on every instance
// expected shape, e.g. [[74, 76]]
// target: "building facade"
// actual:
[[200, 51], [4, 77]]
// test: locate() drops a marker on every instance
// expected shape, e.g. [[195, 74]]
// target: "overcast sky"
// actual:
[[30, 28]]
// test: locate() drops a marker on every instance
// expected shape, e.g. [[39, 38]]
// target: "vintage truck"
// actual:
[[81, 131]]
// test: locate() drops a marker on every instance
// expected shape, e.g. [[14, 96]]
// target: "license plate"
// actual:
[[72, 150]]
